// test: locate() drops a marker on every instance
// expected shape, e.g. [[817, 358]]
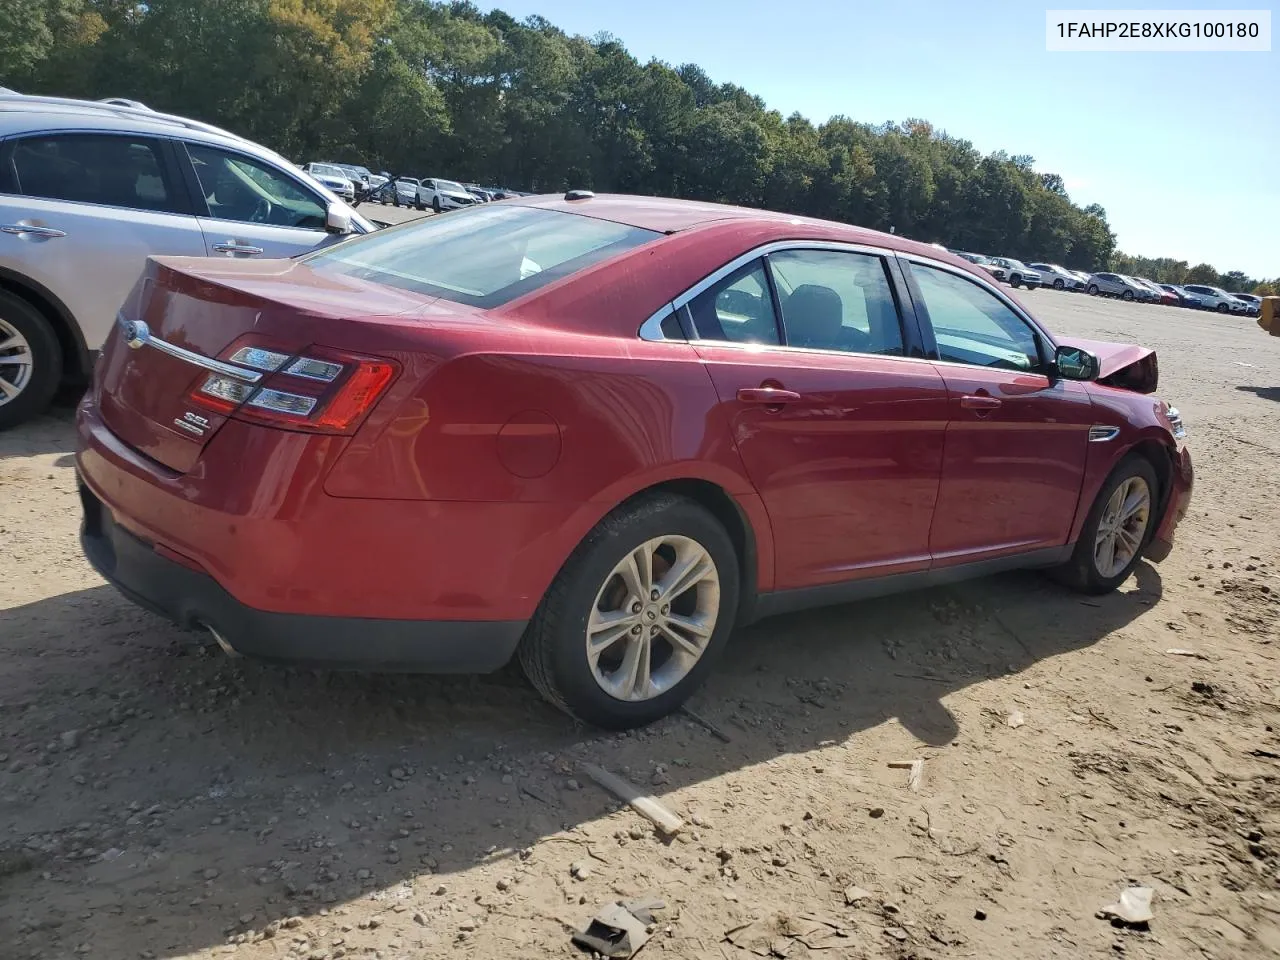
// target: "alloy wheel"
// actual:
[[653, 618], [1123, 527], [15, 362]]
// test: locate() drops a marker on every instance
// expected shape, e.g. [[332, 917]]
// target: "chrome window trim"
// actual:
[[651, 329]]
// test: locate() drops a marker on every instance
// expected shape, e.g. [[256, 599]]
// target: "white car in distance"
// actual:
[[441, 195], [333, 177], [1060, 278]]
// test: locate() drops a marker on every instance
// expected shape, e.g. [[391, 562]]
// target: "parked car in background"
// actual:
[[1147, 292], [89, 190], [1115, 285], [1254, 304], [1185, 297], [1060, 278], [399, 192], [985, 263], [479, 192], [1017, 273], [363, 179], [1083, 276], [441, 195], [500, 193], [604, 487], [333, 177], [1162, 295], [1215, 298]]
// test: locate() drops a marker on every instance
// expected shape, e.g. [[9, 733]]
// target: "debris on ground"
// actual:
[[640, 802], [1179, 652], [621, 928], [1132, 909], [913, 778], [1016, 719]]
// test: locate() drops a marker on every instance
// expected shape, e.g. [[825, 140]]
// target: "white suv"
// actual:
[[442, 195], [89, 190], [1217, 299]]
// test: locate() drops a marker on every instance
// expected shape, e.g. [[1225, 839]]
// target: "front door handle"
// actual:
[[979, 403], [18, 229], [235, 246]]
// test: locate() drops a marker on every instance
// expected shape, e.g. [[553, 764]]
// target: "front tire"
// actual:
[[1117, 529], [1127, 295], [435, 204], [1093, 290], [1015, 280], [1223, 308], [635, 619], [30, 361], [1059, 284]]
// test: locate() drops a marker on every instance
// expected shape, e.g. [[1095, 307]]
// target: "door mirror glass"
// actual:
[[337, 219], [1076, 364]]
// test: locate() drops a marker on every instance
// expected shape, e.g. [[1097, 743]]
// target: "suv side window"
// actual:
[[244, 189], [739, 308], [109, 170], [971, 325], [833, 300]]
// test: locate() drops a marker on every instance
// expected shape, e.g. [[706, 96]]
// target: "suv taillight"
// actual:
[[317, 389]]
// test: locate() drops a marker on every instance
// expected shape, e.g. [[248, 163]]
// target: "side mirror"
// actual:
[[1072, 363], [337, 219]]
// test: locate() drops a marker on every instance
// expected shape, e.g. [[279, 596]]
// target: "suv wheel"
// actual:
[[435, 203], [1015, 280], [1127, 295], [1116, 530], [634, 621], [1093, 290], [30, 361], [1223, 308], [1059, 284]]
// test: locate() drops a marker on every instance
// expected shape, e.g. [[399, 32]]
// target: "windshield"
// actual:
[[327, 170], [484, 256]]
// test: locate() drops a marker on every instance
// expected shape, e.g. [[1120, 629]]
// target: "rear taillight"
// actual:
[[317, 389]]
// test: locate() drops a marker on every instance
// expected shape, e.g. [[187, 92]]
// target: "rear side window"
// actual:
[[485, 256], [114, 171], [833, 300], [738, 308]]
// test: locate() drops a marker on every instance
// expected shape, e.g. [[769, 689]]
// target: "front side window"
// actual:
[[244, 189], [833, 300], [115, 171], [971, 325], [739, 308], [484, 256]]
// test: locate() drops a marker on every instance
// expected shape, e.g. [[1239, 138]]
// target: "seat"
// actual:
[[814, 317]]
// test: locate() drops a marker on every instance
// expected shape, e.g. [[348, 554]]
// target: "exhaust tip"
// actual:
[[223, 644]]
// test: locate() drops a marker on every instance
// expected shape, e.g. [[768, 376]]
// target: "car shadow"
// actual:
[[1266, 393], [48, 433], [150, 765]]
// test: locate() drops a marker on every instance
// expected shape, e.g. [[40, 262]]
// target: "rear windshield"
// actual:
[[485, 256]]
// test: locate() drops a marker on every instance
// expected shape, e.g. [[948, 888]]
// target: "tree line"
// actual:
[[422, 88]]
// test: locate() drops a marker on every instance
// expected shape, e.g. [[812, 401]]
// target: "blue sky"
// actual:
[[1182, 149]]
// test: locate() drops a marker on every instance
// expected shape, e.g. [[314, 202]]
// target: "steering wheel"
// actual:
[[261, 211]]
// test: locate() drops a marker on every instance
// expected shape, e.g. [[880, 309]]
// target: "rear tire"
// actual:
[[1086, 571], [590, 593], [31, 364]]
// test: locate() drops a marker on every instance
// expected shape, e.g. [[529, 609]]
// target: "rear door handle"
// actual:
[[769, 396], [979, 403], [235, 246], [18, 229]]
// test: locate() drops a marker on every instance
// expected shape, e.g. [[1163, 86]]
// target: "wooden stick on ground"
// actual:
[[917, 771], [640, 802]]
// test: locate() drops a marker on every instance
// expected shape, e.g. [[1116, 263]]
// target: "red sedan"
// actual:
[[597, 433]]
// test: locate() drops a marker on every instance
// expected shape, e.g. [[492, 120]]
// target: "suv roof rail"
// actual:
[[113, 107]]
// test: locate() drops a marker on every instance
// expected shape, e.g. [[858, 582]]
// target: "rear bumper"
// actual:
[[1175, 509], [181, 592]]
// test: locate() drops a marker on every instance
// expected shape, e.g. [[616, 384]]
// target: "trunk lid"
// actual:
[[1124, 365], [202, 306]]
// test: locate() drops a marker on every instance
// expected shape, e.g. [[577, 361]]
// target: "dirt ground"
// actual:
[[160, 800]]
